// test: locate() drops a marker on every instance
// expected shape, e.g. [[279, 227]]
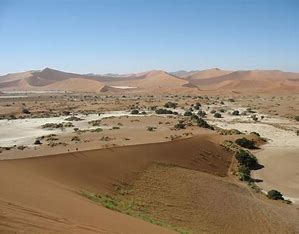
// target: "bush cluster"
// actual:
[[275, 195], [246, 159], [165, 112], [247, 162], [197, 106], [217, 115], [170, 105], [243, 142], [201, 113], [203, 124], [135, 112], [188, 113]]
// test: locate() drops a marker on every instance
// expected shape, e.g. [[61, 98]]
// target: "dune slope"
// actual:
[[42, 194]]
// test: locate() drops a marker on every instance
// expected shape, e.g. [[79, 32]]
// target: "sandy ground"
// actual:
[[279, 156], [43, 195]]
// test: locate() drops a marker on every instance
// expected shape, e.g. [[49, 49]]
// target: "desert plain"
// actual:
[[153, 152]]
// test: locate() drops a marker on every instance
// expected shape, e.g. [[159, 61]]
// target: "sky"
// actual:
[[125, 36]]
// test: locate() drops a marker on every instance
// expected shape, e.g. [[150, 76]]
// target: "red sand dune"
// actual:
[[40, 195]]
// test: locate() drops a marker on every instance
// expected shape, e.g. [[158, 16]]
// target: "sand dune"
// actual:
[[257, 80], [209, 73], [76, 85], [156, 81], [43, 195]]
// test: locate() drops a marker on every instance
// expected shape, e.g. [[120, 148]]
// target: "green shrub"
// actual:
[[135, 112], [217, 115], [163, 112], [188, 113], [236, 112], [180, 125], [170, 105], [197, 106], [151, 129], [194, 116], [243, 142], [297, 118], [201, 114], [37, 142], [244, 173], [246, 159], [275, 195], [203, 124]]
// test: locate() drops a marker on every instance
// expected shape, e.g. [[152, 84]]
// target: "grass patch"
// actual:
[[130, 207]]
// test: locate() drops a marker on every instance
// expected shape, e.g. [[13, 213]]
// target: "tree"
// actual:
[[275, 195], [246, 159], [249, 144]]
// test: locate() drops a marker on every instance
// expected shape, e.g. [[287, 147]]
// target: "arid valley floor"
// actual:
[[154, 152]]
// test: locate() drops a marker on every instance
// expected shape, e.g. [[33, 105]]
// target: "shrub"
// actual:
[[203, 124], [201, 114], [135, 112], [275, 195], [188, 113], [170, 105], [163, 112], [73, 118], [37, 142], [297, 118], [194, 116], [180, 125], [246, 159], [236, 112], [213, 112], [243, 142], [244, 173], [197, 106], [217, 115], [254, 117], [255, 133], [26, 111], [151, 129]]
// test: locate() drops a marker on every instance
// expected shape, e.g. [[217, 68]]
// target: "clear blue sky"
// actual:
[[123, 36]]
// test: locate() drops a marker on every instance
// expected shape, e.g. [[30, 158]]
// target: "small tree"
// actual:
[[275, 195], [246, 159], [249, 144]]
